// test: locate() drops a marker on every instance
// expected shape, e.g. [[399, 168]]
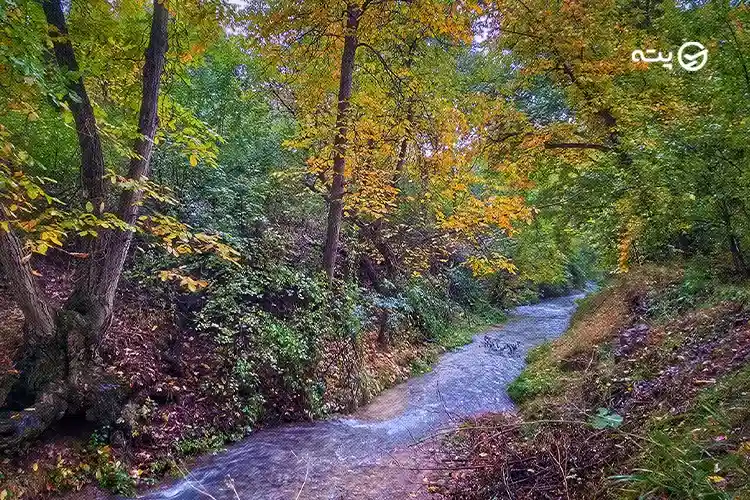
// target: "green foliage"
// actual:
[[698, 454], [676, 299], [270, 324], [540, 379], [433, 311], [421, 366], [211, 441], [701, 286], [96, 462], [113, 476]]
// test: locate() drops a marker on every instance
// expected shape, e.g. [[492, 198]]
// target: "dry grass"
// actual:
[[666, 379]]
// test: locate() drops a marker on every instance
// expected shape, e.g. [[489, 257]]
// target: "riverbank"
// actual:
[[647, 395], [344, 457], [185, 403]]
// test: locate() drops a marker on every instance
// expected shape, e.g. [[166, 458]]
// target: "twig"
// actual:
[[230, 483], [304, 481], [442, 401], [192, 485]]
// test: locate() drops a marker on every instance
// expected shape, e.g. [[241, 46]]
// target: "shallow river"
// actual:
[[367, 455]]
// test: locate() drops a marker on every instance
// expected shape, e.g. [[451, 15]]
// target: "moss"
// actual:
[[540, 379], [539, 352]]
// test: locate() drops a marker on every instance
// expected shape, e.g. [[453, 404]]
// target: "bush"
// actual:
[[536, 380], [271, 324], [699, 454]]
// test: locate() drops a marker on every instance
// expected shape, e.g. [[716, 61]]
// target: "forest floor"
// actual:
[[173, 413], [648, 393]]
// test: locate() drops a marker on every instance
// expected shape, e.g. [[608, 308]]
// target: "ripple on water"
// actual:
[[332, 459]]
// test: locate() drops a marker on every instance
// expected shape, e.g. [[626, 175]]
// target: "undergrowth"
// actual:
[[647, 395]]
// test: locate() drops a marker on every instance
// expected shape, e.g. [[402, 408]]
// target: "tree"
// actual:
[[336, 193], [398, 79], [60, 369], [633, 158]]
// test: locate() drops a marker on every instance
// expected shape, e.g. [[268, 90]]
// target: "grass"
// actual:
[[684, 434], [702, 453], [548, 369]]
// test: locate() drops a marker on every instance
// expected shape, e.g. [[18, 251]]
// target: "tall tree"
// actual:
[[336, 193], [388, 90], [60, 370]]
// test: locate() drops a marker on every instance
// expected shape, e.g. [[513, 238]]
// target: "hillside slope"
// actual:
[[646, 396]]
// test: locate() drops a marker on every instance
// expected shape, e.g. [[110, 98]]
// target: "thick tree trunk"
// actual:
[[60, 368], [41, 379], [336, 197], [39, 329]]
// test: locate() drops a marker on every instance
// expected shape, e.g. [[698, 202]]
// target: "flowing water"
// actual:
[[366, 455]]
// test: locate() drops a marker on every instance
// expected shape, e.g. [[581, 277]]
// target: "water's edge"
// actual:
[[322, 459]]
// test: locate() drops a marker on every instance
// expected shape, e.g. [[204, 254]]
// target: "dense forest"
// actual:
[[221, 216]]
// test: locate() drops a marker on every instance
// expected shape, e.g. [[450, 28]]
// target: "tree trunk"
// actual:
[[42, 365], [39, 317], [336, 197], [400, 162], [39, 328], [403, 147], [738, 259], [92, 160], [95, 293], [60, 368]]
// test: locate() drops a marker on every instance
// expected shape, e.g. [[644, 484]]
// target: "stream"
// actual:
[[380, 451]]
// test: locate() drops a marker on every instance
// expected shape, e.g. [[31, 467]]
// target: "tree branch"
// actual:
[[77, 99], [576, 145]]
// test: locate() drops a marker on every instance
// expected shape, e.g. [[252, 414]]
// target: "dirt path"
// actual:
[[385, 450]]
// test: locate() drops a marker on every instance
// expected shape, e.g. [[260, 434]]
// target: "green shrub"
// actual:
[[536, 380], [696, 286], [114, 476], [210, 441], [271, 325], [432, 311]]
